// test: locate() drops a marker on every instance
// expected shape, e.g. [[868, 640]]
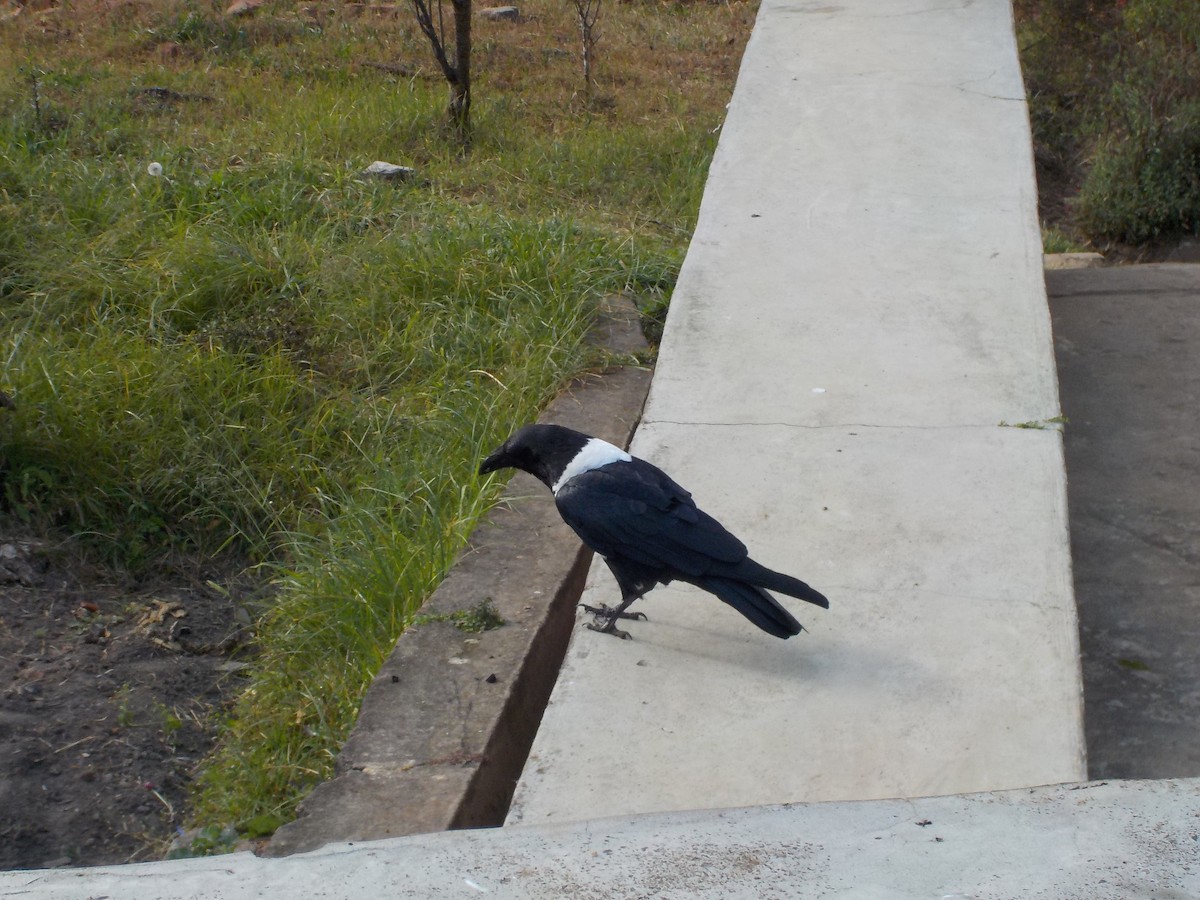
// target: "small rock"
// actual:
[[501, 13], [389, 171], [16, 568], [242, 7]]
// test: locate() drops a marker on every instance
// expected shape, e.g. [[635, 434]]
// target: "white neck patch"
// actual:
[[595, 453]]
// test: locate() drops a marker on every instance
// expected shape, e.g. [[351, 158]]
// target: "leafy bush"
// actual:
[[1145, 187]]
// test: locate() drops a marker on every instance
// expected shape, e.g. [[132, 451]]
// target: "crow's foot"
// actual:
[[613, 613], [606, 620], [609, 627]]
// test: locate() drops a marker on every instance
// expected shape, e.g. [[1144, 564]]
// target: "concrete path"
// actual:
[[1128, 343], [1089, 842], [860, 313]]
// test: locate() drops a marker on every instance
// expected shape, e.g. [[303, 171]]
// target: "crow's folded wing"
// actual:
[[634, 511]]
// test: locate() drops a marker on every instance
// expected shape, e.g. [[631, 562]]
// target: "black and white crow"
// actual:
[[647, 528]]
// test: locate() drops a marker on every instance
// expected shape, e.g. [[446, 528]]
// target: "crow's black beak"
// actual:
[[497, 460]]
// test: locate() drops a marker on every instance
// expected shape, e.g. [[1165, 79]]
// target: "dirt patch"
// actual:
[[107, 692]]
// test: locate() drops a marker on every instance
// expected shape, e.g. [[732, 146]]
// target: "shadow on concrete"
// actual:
[[1128, 347]]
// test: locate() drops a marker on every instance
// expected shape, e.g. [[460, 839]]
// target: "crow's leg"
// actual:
[[634, 580], [606, 618]]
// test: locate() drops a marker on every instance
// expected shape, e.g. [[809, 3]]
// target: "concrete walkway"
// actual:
[[860, 313]]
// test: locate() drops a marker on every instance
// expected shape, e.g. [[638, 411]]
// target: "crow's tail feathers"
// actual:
[[777, 581], [755, 604]]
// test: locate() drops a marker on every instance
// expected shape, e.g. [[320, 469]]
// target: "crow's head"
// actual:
[[543, 451]]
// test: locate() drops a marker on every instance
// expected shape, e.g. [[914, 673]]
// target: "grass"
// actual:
[[1056, 240], [222, 339], [1114, 95]]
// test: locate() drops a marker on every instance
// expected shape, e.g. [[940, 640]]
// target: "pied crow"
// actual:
[[646, 527]]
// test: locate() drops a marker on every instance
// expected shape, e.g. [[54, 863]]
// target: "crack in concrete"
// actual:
[[962, 86], [966, 90], [864, 425], [924, 11]]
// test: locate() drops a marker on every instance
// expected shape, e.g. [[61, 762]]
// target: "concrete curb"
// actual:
[[1093, 841], [446, 725]]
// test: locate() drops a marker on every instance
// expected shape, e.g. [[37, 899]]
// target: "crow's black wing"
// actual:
[[634, 511]]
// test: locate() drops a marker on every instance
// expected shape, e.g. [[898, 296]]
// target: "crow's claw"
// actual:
[[606, 619], [609, 612], [610, 627]]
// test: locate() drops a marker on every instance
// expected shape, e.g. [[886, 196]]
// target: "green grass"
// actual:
[[262, 354], [1055, 240]]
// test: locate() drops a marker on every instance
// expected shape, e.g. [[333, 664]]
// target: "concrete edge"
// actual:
[[1090, 841], [447, 723]]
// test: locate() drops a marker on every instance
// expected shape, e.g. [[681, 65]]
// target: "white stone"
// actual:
[[501, 13], [389, 171]]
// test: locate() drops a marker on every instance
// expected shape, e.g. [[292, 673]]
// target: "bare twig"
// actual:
[[90, 737], [165, 802], [586, 13]]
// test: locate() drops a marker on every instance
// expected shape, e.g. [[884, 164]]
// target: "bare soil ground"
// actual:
[[107, 692]]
